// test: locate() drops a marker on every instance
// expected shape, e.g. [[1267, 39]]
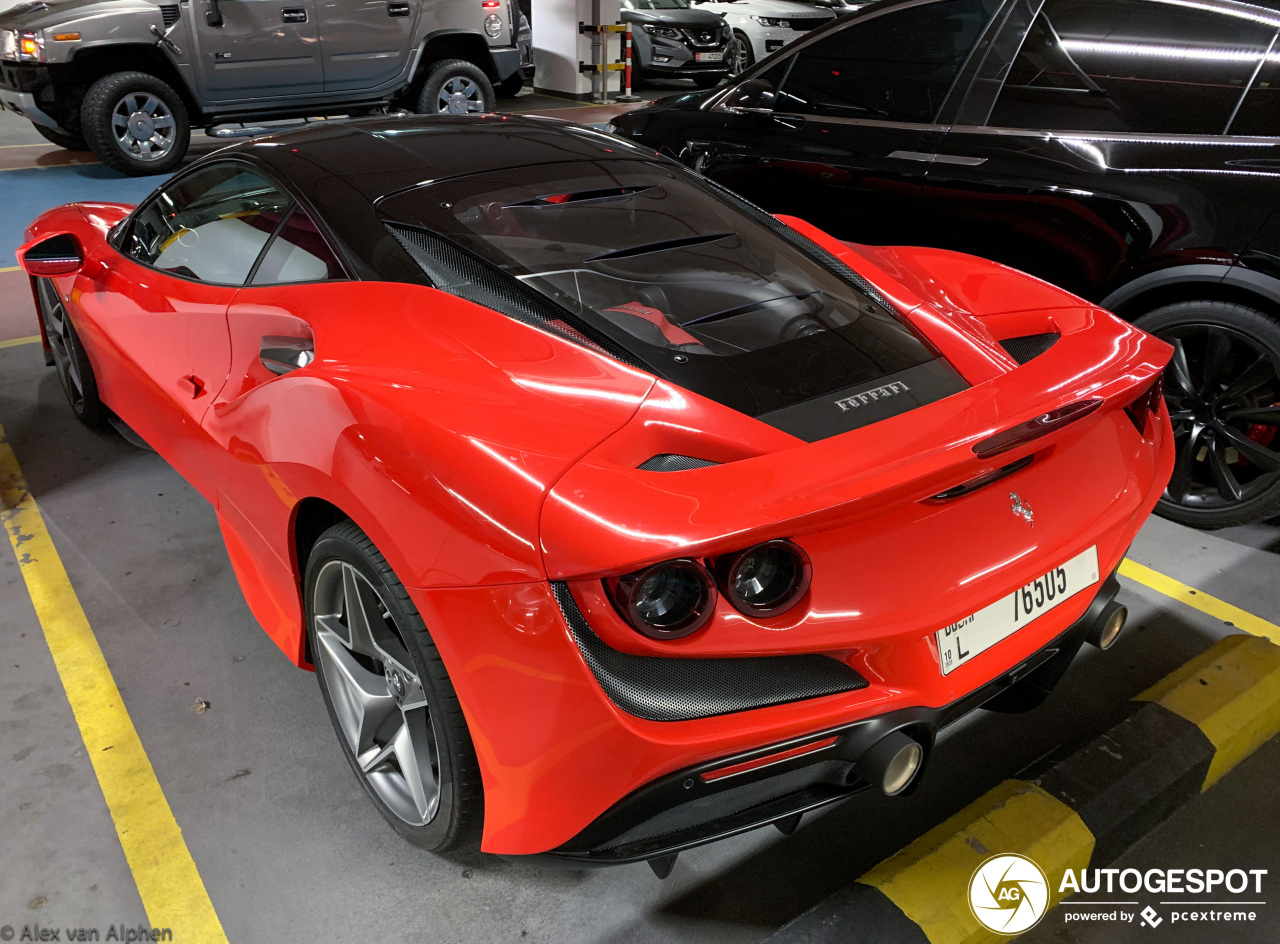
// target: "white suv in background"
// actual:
[[762, 27]]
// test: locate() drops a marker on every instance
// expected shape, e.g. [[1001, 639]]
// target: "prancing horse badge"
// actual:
[[1022, 508]]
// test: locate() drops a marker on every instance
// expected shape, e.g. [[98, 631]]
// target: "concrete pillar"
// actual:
[[558, 48]]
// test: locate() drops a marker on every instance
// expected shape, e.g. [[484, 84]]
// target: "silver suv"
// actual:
[[128, 78]]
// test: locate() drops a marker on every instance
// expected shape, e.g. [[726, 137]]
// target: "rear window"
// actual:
[[689, 282]]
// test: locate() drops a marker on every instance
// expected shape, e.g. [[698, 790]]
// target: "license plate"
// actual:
[[960, 642], [708, 57]]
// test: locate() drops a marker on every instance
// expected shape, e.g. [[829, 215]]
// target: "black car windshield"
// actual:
[[656, 4], [667, 266]]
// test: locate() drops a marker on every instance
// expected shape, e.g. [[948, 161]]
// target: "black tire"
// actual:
[[744, 58], [459, 814], [509, 87], [72, 142], [75, 373], [471, 82], [1223, 392], [121, 91]]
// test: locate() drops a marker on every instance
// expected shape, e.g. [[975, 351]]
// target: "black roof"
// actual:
[[381, 155]]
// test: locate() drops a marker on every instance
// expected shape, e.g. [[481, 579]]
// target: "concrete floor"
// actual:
[[284, 839]]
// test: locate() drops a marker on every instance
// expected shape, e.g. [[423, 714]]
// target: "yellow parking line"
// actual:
[[1200, 600], [10, 268], [34, 339], [168, 883]]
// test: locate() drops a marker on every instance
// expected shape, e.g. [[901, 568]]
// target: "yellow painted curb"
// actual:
[[929, 879], [1231, 693], [168, 882], [1200, 600]]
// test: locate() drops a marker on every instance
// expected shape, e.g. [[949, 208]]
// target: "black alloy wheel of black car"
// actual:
[[1222, 388]]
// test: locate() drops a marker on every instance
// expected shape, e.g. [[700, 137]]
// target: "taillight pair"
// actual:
[[675, 598]]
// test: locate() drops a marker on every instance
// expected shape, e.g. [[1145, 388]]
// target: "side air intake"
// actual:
[[670, 462], [678, 689], [1029, 346]]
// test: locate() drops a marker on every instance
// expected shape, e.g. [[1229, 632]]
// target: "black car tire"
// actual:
[[98, 112], [459, 814], [1226, 362], [744, 58], [510, 86], [465, 74], [75, 373], [72, 142]]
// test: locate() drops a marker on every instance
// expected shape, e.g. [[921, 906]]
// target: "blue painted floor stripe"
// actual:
[[28, 192]]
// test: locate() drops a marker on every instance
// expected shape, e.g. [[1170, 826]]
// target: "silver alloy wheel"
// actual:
[[376, 693], [143, 126], [459, 95], [741, 56], [57, 328]]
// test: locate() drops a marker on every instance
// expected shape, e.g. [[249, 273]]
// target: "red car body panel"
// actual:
[[485, 457]]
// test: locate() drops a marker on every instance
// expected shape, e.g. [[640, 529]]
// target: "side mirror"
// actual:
[[53, 255], [754, 95]]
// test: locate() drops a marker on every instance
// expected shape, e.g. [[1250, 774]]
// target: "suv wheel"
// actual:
[[1223, 392], [389, 697], [72, 142], [740, 50], [135, 123], [455, 87]]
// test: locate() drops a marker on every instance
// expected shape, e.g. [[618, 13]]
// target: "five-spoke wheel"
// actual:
[[391, 702], [69, 360]]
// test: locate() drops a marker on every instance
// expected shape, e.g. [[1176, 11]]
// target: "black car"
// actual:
[[1126, 150], [674, 41]]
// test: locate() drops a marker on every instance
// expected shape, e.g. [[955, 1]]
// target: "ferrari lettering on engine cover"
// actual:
[[871, 396]]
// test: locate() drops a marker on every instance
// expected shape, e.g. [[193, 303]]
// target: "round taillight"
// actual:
[[767, 579], [667, 600]]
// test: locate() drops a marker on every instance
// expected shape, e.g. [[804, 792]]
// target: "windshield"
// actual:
[[677, 273], [656, 4]]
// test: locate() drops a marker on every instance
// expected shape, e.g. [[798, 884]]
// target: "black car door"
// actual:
[[840, 132], [1091, 148]]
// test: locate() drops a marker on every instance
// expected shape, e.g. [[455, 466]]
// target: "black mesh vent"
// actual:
[[670, 462], [661, 689], [454, 270], [170, 13], [715, 806], [1029, 346]]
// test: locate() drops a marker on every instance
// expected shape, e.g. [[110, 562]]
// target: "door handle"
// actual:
[[194, 384], [293, 15], [282, 354], [399, 8]]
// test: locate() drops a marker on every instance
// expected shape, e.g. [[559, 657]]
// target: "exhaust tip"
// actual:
[[892, 764], [1106, 630]]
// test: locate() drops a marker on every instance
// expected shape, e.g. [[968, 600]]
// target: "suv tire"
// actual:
[[118, 112], [455, 87], [72, 142], [1223, 392]]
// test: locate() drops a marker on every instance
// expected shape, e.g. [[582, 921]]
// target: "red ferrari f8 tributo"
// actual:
[[615, 515]]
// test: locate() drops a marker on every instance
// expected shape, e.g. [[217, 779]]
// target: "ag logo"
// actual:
[[1008, 894]]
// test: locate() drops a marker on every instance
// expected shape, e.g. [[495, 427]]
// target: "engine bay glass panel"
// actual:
[[703, 293]]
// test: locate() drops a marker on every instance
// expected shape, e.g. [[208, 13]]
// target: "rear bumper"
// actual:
[[684, 809]]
